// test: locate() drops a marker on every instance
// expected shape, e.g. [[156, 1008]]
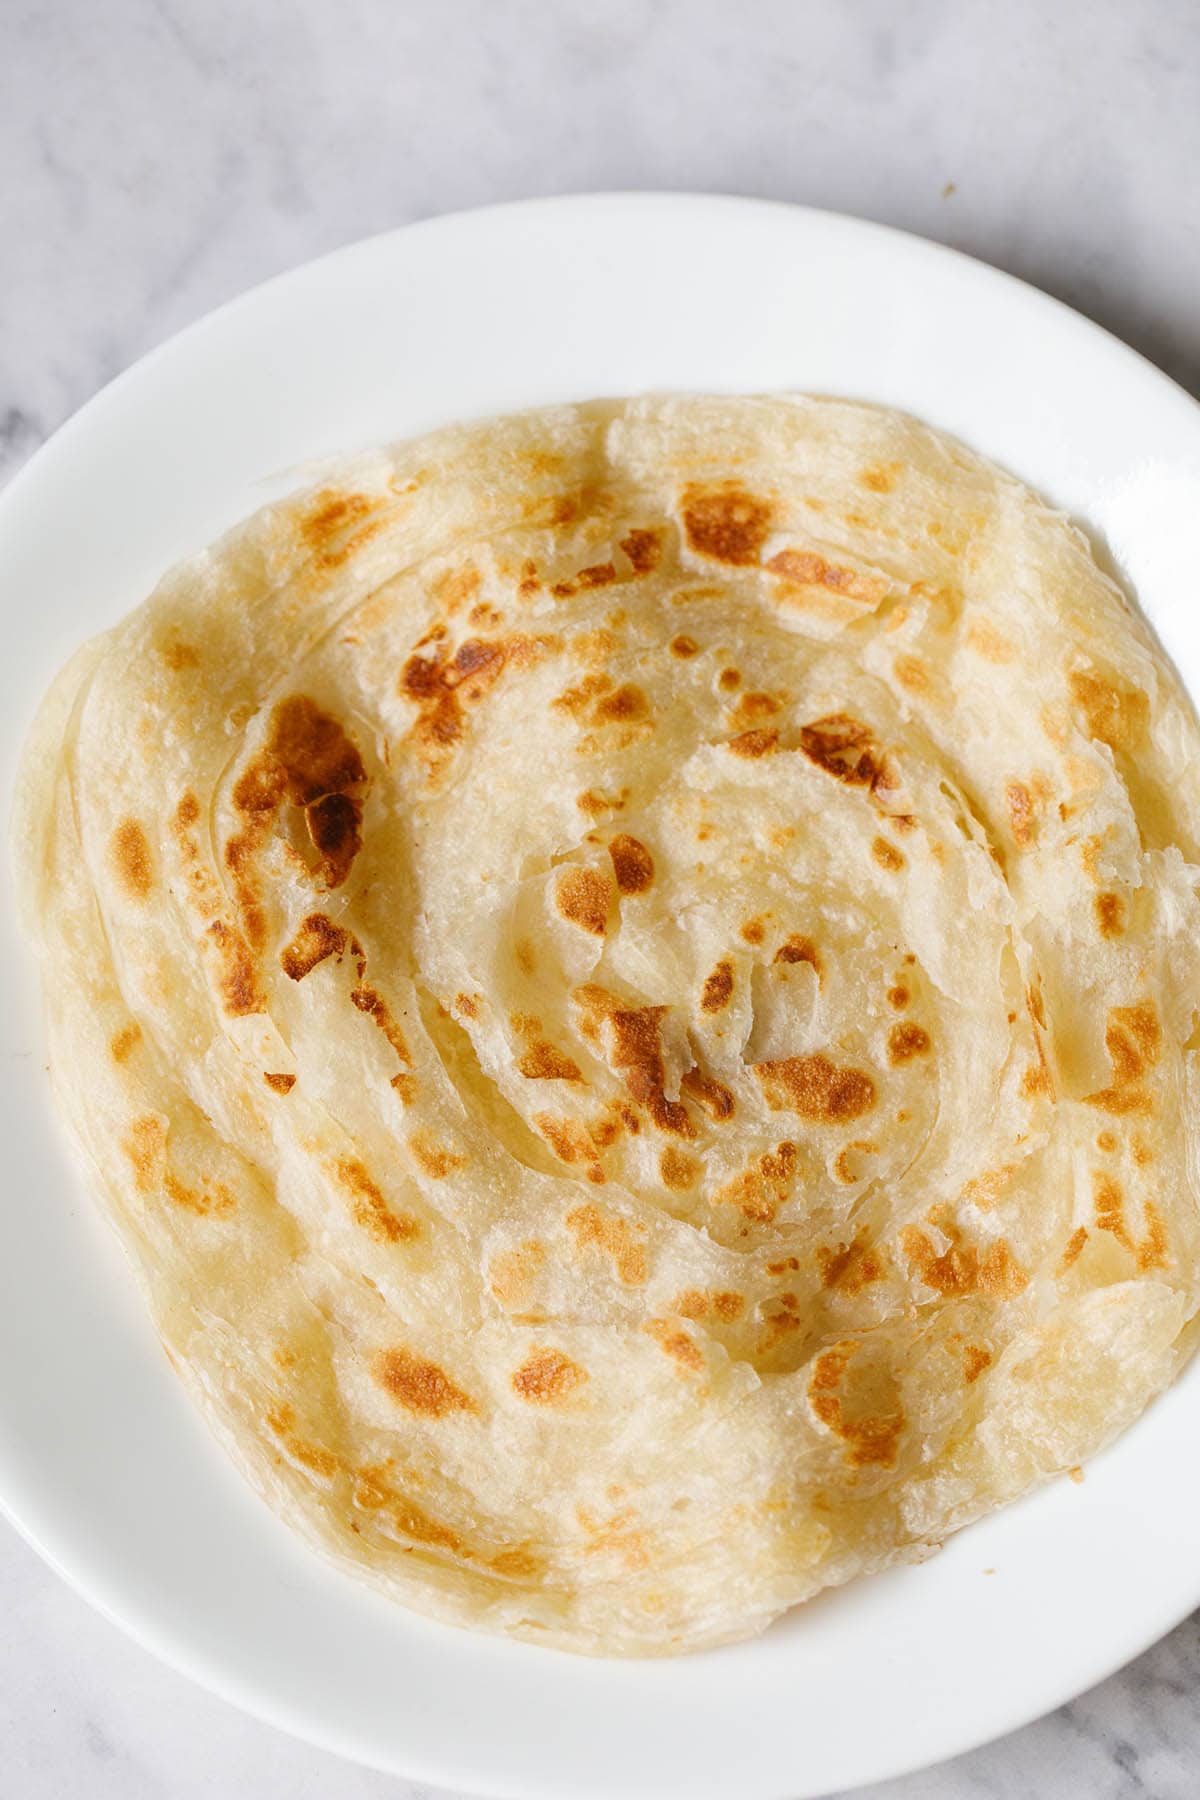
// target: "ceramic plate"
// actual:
[[102, 1463]]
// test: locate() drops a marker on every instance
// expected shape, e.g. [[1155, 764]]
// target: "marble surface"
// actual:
[[157, 156]]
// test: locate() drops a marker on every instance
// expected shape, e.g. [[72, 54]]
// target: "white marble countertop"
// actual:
[[157, 156]]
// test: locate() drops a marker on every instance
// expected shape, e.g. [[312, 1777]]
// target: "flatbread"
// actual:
[[626, 976]]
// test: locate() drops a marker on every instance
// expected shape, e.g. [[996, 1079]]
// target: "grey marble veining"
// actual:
[[158, 156]]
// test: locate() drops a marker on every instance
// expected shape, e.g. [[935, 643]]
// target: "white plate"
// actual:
[[102, 1463]]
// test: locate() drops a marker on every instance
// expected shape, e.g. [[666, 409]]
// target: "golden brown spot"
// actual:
[[279, 1084], [1090, 854], [595, 804], [712, 1095], [468, 1005], [215, 1198], [677, 1169], [612, 1236], [594, 649], [132, 860], [369, 1208], [280, 1419], [440, 686], [178, 655], [913, 674], [525, 959], [960, 1270], [617, 1119], [718, 987], [760, 1190], [987, 642], [1133, 1040], [750, 745], [575, 700], [1110, 914], [815, 1088], [435, 1158], [371, 1488], [337, 525], [754, 931], [975, 1360], [781, 1268], [728, 1306], [636, 1054], [725, 522], [321, 770], [843, 1165], [241, 991], [376, 1008], [455, 588], [583, 897], [880, 477], [1037, 1078], [906, 1041], [845, 749], [145, 1147], [1071, 1249], [684, 646], [1109, 1201], [898, 996], [309, 760], [808, 569], [851, 1267], [800, 950], [871, 1440], [1117, 715], [597, 576], [124, 1042], [1122, 1103], [886, 855], [333, 828], [1106, 1140], [1021, 813], [413, 1523], [547, 1376], [729, 679], [419, 1386], [317, 938], [643, 547], [622, 706], [677, 1343], [985, 1190], [752, 707], [513, 1273], [519, 1563], [1151, 1252], [570, 1142], [542, 1062], [1142, 1153], [632, 863], [616, 1537]]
